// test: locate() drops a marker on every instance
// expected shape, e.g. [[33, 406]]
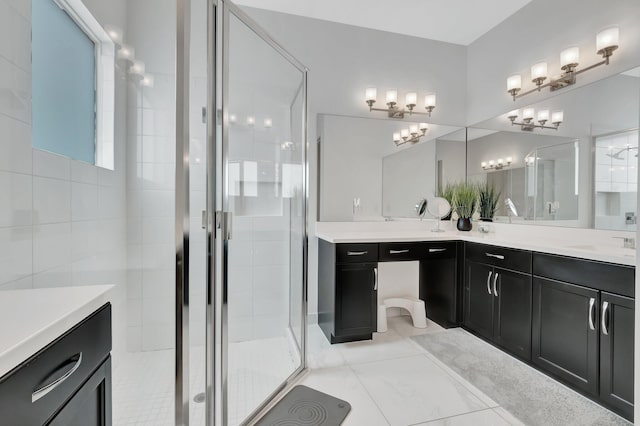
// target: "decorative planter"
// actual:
[[464, 224]]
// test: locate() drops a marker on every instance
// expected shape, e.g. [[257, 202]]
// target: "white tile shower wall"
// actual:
[[62, 222]]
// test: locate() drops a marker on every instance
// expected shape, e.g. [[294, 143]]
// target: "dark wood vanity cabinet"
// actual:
[[498, 298], [440, 271], [66, 383], [347, 290], [583, 326]]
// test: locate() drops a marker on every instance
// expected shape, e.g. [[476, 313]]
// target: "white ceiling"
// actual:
[[453, 21]]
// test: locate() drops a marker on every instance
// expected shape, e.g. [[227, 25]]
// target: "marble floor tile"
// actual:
[[321, 353], [508, 416], [414, 389], [341, 382], [477, 418], [387, 345]]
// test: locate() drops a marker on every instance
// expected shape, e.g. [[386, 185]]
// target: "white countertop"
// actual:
[[583, 243], [31, 319]]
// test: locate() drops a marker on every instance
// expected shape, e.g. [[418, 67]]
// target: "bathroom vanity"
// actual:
[[566, 311], [55, 364]]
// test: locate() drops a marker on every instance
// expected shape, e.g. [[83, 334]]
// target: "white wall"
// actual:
[[540, 31], [62, 222]]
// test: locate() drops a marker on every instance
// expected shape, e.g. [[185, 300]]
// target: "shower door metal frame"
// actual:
[[219, 220]]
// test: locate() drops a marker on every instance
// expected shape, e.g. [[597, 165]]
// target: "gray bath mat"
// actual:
[[527, 394], [304, 406]]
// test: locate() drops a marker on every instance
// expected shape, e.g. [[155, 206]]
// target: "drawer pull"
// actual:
[[356, 253], [42, 391], [495, 278], [489, 282], [605, 329], [497, 256], [592, 305], [398, 251], [436, 250]]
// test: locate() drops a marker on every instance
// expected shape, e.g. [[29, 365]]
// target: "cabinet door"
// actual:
[[356, 299], [565, 332], [512, 321], [616, 352], [91, 405], [439, 289], [479, 299]]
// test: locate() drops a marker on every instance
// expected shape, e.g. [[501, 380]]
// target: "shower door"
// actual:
[[258, 192]]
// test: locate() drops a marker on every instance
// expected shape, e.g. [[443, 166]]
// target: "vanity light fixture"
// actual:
[[410, 135], [528, 115], [496, 165], [606, 42], [393, 110]]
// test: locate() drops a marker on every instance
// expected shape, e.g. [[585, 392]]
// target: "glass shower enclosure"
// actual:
[[255, 219]]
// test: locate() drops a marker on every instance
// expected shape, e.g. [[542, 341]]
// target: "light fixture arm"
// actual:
[[529, 124]]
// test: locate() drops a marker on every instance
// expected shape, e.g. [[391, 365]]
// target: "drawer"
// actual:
[[390, 252], [356, 253], [76, 354], [502, 257], [603, 276]]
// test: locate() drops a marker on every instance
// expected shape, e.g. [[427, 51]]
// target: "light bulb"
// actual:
[[491, 163], [413, 129], [411, 98], [371, 94], [539, 71], [430, 100], [514, 82], [557, 117], [607, 39], [513, 114], [528, 113], [392, 96], [543, 115], [500, 161], [569, 58]]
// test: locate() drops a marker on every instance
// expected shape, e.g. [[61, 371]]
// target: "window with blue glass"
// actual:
[[63, 84]]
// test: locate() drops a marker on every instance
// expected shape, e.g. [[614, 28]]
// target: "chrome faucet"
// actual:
[[628, 242]]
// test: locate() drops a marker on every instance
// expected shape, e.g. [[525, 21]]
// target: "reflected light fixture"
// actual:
[[391, 98], [606, 42], [528, 116], [410, 135], [500, 163]]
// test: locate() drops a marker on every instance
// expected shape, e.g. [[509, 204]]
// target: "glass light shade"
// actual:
[[423, 126], [539, 70], [148, 80], [233, 118], [491, 163], [608, 38], [509, 160], [528, 113], [430, 100], [114, 33], [126, 52], [543, 115], [557, 116], [404, 133], [413, 129], [251, 121], [411, 98], [515, 113], [370, 94], [138, 67], [500, 161], [268, 122], [396, 137], [570, 56], [483, 164], [392, 96], [514, 82]]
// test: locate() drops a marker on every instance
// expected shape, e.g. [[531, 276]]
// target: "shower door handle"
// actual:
[[223, 223]]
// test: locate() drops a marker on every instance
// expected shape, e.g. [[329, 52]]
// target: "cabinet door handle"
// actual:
[[495, 278], [436, 250], [605, 329], [398, 251], [45, 389], [497, 256], [356, 253], [375, 279], [592, 305], [489, 282]]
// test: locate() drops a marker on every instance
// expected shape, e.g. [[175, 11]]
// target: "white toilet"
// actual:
[[415, 307]]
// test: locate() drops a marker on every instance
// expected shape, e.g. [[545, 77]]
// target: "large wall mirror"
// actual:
[[582, 174]]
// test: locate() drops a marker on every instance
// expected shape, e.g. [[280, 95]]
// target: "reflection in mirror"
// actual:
[[584, 174], [358, 158]]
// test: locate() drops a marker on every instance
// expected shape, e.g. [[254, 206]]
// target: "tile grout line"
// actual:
[[369, 394], [454, 416]]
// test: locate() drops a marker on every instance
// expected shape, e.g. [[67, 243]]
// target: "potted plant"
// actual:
[[465, 201], [488, 199], [446, 192]]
